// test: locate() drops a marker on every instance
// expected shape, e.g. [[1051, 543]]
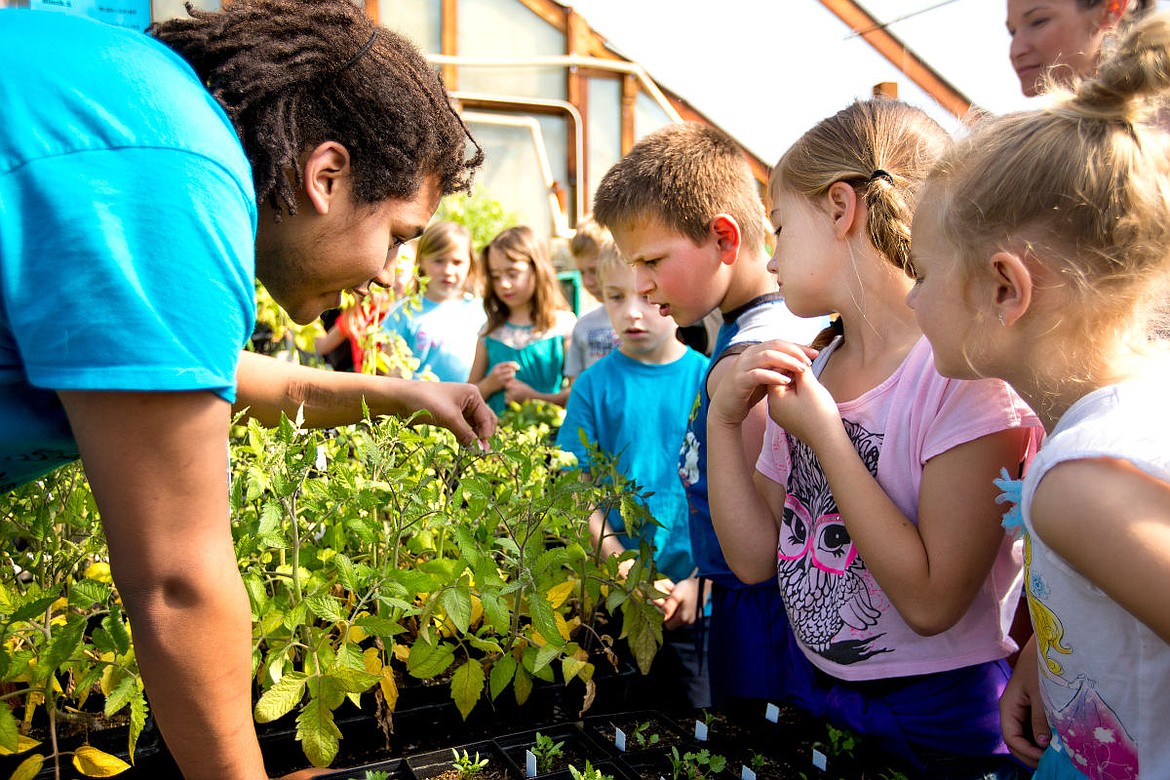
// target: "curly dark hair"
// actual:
[[292, 74]]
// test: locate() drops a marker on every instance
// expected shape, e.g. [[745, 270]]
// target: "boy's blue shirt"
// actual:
[[127, 229], [638, 411], [761, 319]]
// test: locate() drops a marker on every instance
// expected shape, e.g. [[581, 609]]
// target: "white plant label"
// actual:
[[772, 713], [619, 740], [747, 774], [820, 761], [700, 731], [529, 763]]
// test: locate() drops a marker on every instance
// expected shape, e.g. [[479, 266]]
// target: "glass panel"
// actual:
[[505, 28], [555, 130], [648, 116], [511, 173], [419, 20], [605, 129], [161, 10]]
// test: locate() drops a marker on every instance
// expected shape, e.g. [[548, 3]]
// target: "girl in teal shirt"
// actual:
[[521, 351]]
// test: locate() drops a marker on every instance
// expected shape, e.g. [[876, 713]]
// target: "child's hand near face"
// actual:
[[760, 369], [805, 409]]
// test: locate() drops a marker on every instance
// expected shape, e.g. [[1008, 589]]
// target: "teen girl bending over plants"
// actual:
[[872, 500], [1043, 249], [521, 352]]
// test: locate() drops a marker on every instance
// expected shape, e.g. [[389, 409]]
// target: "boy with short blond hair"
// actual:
[[593, 336], [633, 404], [684, 209]]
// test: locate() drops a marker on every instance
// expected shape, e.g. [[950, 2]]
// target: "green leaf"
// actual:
[[456, 602], [542, 617], [352, 680], [544, 656], [427, 660], [138, 713], [66, 640], [319, 735], [85, 593], [467, 686], [123, 693], [31, 610], [642, 632], [380, 626], [345, 572], [413, 580], [326, 607], [522, 685], [496, 612], [115, 626], [9, 729], [503, 670], [280, 698]]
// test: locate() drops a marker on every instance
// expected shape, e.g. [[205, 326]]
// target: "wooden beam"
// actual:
[[885, 43], [449, 40]]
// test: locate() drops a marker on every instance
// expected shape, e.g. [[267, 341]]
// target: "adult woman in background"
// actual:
[[1061, 39]]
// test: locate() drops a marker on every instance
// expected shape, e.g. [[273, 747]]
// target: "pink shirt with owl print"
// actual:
[[843, 620]]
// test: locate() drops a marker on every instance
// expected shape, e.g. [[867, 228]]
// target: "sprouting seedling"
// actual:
[[757, 762], [589, 773], [643, 736], [467, 766], [695, 766], [546, 749]]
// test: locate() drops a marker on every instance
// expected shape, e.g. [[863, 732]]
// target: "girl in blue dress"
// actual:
[[521, 351]]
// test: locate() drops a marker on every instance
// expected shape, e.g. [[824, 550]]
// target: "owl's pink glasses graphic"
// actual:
[[825, 539]]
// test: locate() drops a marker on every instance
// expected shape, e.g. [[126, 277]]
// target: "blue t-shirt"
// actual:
[[638, 411], [127, 229], [441, 335]]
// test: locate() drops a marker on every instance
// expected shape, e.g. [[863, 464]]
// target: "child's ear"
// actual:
[[323, 170], [1012, 286], [728, 238], [843, 207]]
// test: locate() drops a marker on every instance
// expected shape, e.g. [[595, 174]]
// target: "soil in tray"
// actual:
[[646, 724], [575, 748]]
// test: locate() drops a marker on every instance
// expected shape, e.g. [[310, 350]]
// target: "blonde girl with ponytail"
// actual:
[[872, 501], [1043, 247]]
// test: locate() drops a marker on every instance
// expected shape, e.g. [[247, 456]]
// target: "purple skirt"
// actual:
[[927, 719]]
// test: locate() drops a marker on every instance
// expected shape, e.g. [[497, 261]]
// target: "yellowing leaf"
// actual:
[[402, 652], [23, 743], [357, 634], [372, 660], [476, 610], [467, 686], [389, 688], [29, 768], [562, 626], [558, 593], [99, 571], [92, 762]]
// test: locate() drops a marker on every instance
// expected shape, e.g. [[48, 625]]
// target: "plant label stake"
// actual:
[[700, 731], [772, 713], [529, 763], [820, 761], [747, 774], [619, 739]]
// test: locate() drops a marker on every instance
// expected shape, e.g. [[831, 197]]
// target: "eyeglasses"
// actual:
[[825, 539]]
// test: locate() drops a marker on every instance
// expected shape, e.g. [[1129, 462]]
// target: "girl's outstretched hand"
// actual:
[[804, 408], [761, 368]]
